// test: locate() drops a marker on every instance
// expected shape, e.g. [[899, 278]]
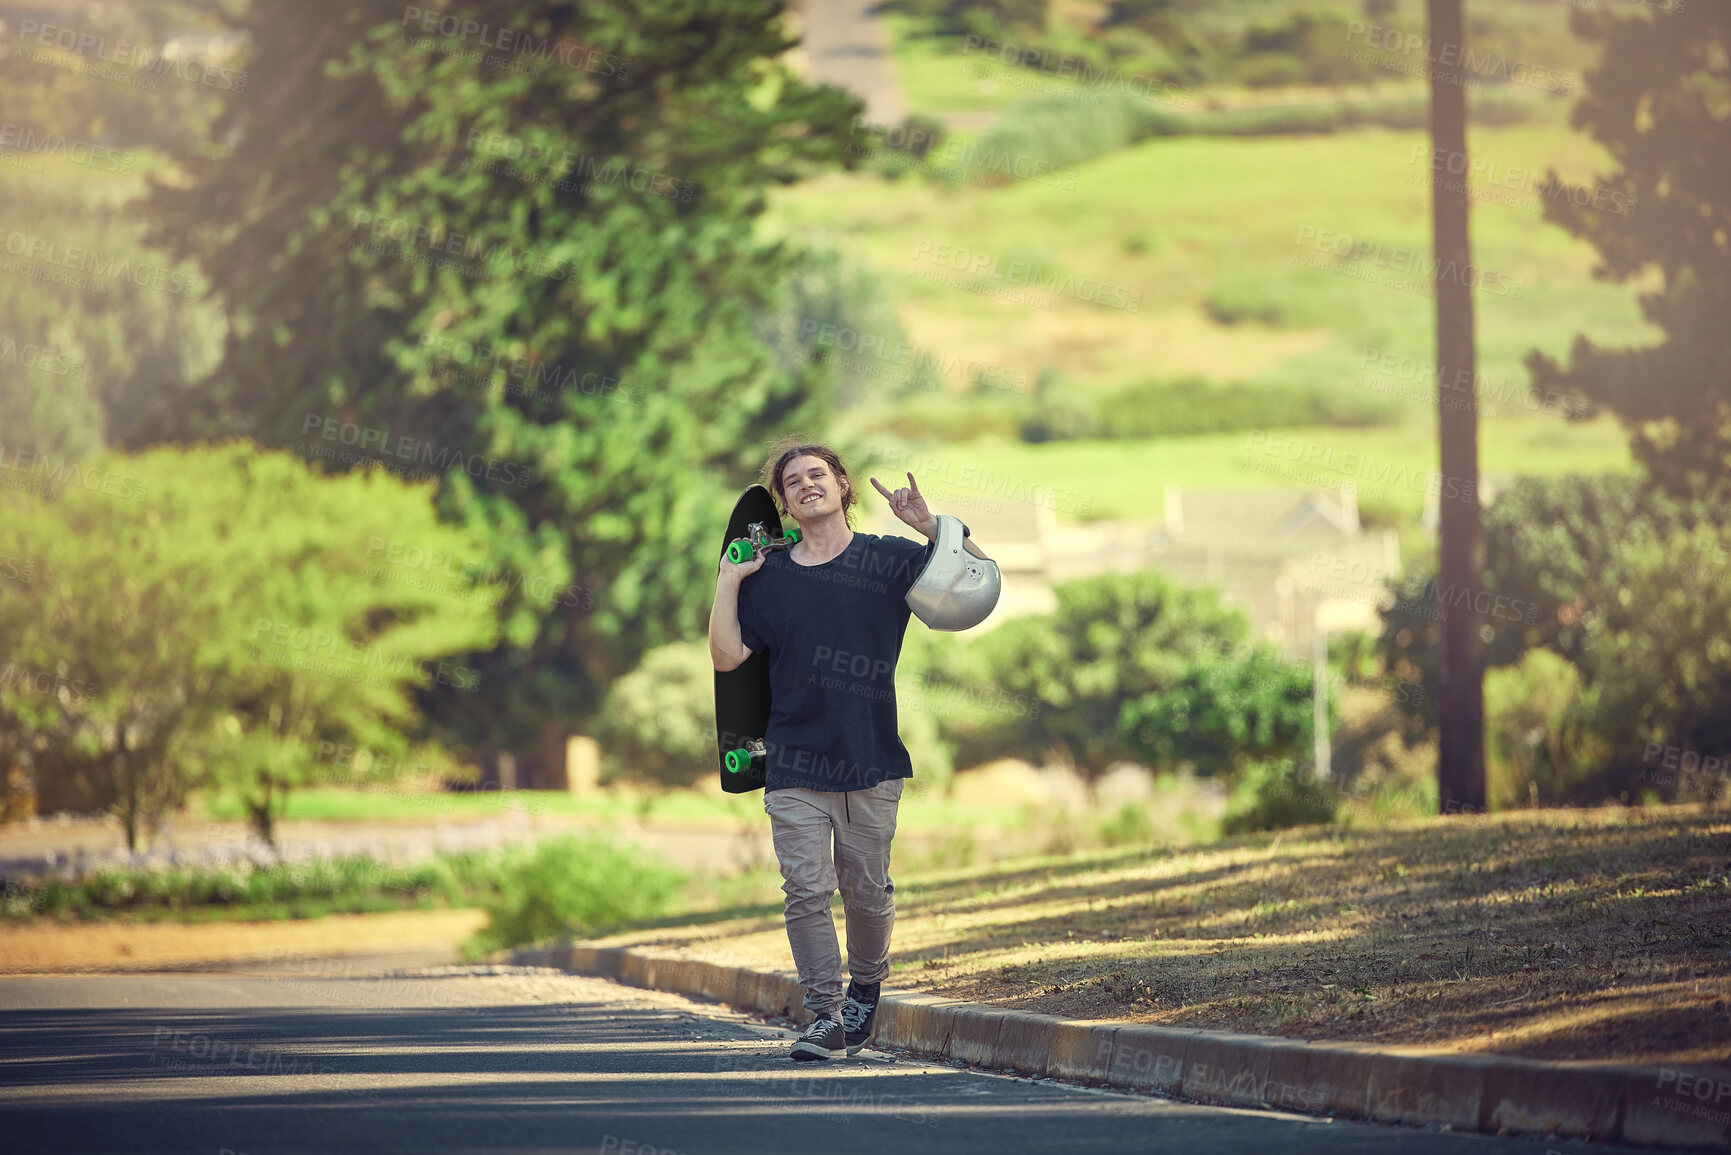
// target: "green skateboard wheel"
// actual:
[[739, 552], [737, 760], [792, 535]]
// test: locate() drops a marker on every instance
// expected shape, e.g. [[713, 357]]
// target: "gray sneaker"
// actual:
[[859, 1012], [819, 1040]]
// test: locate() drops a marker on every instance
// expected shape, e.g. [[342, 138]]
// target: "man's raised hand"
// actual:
[[909, 505]]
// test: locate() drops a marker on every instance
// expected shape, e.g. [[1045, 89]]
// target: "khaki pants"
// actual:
[[861, 824]]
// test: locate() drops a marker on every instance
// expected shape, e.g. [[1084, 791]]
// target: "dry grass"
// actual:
[[1552, 934]]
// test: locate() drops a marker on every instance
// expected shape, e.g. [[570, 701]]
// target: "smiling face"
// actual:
[[811, 490]]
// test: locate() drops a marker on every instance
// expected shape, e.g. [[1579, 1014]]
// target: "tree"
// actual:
[[1460, 666], [521, 235], [1657, 101], [1113, 640], [217, 618], [1224, 712], [1624, 582]]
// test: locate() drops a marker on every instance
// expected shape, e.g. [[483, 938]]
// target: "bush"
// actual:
[[1191, 406], [1537, 750], [249, 889], [572, 886], [1271, 796], [658, 721], [1621, 582]]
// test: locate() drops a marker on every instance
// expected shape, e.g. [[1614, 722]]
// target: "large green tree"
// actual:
[[1659, 100], [523, 233], [225, 619]]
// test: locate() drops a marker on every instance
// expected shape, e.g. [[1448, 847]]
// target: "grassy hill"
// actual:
[[1214, 239]]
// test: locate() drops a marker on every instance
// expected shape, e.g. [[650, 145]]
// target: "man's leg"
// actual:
[[800, 823], [863, 867]]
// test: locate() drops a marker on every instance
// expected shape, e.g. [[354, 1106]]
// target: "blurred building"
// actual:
[[1285, 556]]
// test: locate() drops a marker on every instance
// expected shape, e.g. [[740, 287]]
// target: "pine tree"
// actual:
[[1660, 102]]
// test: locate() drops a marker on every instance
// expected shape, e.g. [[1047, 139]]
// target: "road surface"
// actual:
[[324, 1056]]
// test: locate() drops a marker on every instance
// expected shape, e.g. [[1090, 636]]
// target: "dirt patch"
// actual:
[[1577, 934], [49, 947]]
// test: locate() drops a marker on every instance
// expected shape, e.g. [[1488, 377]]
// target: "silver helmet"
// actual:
[[955, 590]]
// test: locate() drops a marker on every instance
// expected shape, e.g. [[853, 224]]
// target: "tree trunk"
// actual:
[[1460, 675]]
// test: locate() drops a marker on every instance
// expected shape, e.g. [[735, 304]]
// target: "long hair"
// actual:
[[777, 465]]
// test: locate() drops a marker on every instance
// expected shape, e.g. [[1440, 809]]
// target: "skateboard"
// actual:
[[742, 693]]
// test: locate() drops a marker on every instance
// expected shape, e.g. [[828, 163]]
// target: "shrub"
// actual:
[[572, 886], [1618, 580], [1536, 747], [1270, 796], [658, 721]]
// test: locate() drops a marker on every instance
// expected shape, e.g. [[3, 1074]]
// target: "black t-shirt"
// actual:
[[834, 632]]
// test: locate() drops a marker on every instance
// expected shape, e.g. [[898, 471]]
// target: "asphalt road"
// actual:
[[384, 1055]]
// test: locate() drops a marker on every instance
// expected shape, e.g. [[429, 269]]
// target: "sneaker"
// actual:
[[858, 1012], [819, 1040]]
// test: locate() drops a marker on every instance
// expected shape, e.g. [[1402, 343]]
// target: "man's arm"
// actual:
[[726, 648], [910, 505]]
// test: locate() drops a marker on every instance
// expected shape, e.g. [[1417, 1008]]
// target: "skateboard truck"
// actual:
[[758, 541], [738, 759]]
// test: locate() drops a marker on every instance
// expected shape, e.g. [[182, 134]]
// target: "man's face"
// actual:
[[810, 489]]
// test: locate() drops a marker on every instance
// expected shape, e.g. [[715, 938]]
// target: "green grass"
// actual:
[[1124, 479], [920, 812], [1206, 231], [1182, 220]]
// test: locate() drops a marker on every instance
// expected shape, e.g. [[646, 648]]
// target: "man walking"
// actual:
[[832, 612]]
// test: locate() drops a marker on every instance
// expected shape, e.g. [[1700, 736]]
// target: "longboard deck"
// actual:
[[742, 694]]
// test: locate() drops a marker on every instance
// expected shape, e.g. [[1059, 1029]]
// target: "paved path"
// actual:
[[27, 850], [394, 1055], [846, 44]]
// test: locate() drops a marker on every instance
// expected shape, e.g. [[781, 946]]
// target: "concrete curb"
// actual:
[[1641, 1106]]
